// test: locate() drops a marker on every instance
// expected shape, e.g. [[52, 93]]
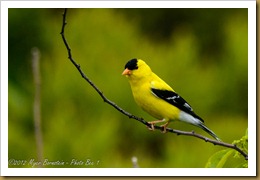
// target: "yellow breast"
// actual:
[[153, 105]]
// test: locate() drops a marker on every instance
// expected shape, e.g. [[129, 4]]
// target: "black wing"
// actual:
[[176, 100]]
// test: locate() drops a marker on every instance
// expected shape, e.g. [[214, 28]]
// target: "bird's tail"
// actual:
[[196, 121], [205, 128]]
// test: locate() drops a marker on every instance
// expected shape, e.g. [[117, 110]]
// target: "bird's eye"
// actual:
[[132, 64]]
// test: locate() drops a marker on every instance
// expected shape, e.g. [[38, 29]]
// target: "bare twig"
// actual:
[[178, 132], [135, 162], [37, 102]]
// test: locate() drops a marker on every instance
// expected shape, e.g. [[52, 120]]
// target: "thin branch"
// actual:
[[178, 132], [135, 162], [37, 102]]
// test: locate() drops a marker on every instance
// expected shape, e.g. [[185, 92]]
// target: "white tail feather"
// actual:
[[185, 117]]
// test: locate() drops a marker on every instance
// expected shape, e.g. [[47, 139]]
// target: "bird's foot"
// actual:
[[151, 128], [164, 127], [152, 123]]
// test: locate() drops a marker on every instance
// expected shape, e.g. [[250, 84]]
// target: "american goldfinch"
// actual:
[[157, 98]]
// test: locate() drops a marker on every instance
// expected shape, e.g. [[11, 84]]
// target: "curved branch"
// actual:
[[178, 132]]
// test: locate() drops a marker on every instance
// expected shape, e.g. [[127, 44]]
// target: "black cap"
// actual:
[[132, 64]]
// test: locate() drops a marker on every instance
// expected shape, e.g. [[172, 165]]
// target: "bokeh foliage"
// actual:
[[201, 53], [230, 157]]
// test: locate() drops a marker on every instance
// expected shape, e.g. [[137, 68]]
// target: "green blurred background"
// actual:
[[201, 53]]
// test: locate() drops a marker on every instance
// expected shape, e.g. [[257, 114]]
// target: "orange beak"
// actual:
[[126, 72]]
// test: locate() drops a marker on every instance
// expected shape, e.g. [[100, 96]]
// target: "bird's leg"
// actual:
[[153, 123], [164, 127]]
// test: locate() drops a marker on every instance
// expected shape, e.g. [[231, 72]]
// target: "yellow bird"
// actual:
[[157, 98]]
